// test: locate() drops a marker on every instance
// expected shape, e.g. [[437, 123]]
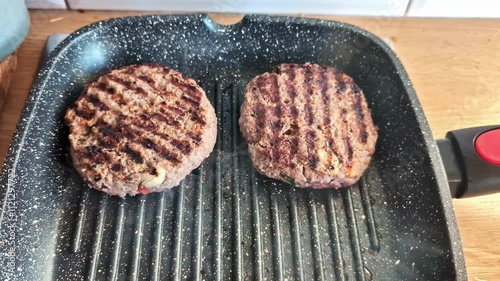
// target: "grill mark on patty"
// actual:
[[195, 138], [260, 116], [98, 104], [112, 137], [274, 92], [195, 117], [116, 167], [135, 136], [363, 134], [192, 102], [292, 93], [341, 99], [166, 119], [84, 113], [312, 157], [127, 84], [188, 89], [182, 146], [140, 90], [149, 144], [327, 132], [148, 80], [134, 155], [159, 149], [269, 80], [323, 82], [176, 110], [336, 108], [115, 103], [103, 87], [118, 80], [95, 154], [156, 130], [347, 143], [308, 80], [339, 77], [99, 85]]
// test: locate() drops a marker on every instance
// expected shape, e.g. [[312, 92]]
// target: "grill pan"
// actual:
[[225, 221]]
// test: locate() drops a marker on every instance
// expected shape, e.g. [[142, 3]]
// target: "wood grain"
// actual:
[[7, 67], [454, 65]]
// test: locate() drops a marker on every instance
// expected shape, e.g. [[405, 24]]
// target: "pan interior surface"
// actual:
[[225, 221]]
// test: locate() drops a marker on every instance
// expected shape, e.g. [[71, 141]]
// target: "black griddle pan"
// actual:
[[225, 221]]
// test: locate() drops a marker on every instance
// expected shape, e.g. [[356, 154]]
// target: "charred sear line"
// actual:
[[293, 94], [195, 138], [95, 154], [323, 82], [308, 80], [134, 155], [348, 145], [188, 89], [274, 92], [268, 87], [169, 156], [84, 113], [150, 81], [194, 103], [103, 87], [312, 156], [176, 110], [159, 150], [99, 85], [111, 138], [294, 130], [116, 167], [182, 146], [291, 86], [128, 85], [358, 109], [165, 119], [195, 117], [149, 144], [98, 104], [119, 81], [260, 116], [133, 136]]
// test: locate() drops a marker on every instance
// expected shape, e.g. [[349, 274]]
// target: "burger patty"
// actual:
[[308, 125], [140, 128]]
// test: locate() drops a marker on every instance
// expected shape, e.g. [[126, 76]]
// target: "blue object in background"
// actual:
[[14, 26]]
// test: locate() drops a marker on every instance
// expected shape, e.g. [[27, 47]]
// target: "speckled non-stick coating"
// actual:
[[225, 221]]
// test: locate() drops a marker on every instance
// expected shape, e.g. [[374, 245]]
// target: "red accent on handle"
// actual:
[[488, 146]]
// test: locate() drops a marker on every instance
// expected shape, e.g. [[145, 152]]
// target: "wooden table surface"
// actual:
[[454, 65]]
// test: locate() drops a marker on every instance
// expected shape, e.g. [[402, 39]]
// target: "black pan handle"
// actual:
[[471, 158]]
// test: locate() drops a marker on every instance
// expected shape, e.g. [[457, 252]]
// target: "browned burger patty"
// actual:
[[308, 125], [140, 128]]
